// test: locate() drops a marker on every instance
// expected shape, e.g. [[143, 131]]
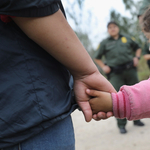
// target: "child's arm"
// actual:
[[54, 34], [131, 102]]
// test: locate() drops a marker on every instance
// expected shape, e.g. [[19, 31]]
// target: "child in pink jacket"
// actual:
[[131, 102]]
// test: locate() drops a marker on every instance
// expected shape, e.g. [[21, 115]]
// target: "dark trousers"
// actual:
[[126, 77], [148, 62]]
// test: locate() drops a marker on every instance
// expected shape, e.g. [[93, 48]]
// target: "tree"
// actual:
[[129, 26], [74, 9]]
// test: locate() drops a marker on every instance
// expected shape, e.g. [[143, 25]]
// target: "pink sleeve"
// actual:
[[132, 102]]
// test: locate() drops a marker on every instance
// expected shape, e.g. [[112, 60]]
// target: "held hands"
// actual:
[[100, 101], [93, 81], [72, 55]]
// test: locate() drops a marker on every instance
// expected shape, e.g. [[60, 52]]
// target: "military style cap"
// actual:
[[112, 22], [144, 6]]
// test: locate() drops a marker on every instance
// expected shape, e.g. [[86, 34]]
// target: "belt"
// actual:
[[121, 68]]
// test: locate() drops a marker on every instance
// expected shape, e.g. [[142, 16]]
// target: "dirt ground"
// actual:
[[104, 135]]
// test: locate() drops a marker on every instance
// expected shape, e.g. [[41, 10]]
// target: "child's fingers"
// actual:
[[96, 118], [93, 93], [109, 114], [99, 116]]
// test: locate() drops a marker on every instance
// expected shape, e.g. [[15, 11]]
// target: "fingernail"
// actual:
[[88, 90], [102, 116]]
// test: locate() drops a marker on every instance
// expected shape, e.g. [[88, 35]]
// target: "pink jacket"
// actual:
[[132, 102]]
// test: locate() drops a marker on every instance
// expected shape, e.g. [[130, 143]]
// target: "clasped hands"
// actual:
[[93, 96]]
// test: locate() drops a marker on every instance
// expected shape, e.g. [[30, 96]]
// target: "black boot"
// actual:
[[122, 130], [138, 123]]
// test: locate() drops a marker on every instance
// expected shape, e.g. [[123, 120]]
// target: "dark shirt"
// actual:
[[35, 89], [28, 8]]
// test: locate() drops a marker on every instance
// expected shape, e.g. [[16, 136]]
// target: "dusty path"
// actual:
[[104, 135]]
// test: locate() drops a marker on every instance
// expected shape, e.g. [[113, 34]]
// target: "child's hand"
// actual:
[[101, 101]]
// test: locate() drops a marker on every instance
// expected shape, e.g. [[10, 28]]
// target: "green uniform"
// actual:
[[119, 54], [146, 51], [144, 6]]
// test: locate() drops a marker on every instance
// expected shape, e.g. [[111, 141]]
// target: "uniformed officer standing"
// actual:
[[146, 50], [122, 55]]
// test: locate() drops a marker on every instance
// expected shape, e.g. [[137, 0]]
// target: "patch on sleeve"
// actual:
[[124, 40], [133, 38]]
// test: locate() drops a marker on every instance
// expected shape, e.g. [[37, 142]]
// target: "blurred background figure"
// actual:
[[122, 56]]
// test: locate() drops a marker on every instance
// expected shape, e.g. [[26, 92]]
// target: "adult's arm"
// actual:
[[137, 56], [138, 52], [99, 62], [104, 67], [147, 56], [54, 34]]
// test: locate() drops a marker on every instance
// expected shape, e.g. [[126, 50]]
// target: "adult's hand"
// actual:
[[135, 61], [93, 81], [106, 69]]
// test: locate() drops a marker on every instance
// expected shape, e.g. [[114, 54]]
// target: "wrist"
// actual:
[[104, 67], [82, 75], [138, 57], [110, 106]]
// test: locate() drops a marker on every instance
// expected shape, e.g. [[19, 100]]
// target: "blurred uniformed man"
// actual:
[[122, 55], [146, 50]]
